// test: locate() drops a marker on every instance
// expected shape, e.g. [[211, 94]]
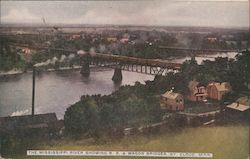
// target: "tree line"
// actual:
[[139, 104]]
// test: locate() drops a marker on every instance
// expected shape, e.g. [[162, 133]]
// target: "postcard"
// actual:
[[124, 79]]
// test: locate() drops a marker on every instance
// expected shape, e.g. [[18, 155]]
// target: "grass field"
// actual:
[[227, 142]]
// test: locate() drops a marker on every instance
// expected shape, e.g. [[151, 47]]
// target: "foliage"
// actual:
[[229, 98], [236, 72], [139, 104], [38, 57], [10, 58], [82, 117], [129, 106], [7, 63]]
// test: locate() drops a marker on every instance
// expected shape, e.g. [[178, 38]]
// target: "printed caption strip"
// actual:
[[116, 153]]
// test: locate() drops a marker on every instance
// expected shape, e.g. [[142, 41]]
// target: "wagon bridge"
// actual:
[[118, 62]]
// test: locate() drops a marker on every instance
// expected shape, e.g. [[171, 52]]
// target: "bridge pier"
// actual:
[[117, 77], [85, 70]]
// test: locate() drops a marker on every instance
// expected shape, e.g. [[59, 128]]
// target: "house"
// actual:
[[172, 101], [28, 125], [212, 39], [26, 50], [198, 92], [237, 111], [216, 90], [124, 40], [75, 36], [111, 39]]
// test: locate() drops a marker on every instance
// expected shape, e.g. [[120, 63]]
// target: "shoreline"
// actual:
[[19, 72]]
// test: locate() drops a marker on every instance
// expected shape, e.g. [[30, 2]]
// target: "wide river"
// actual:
[[56, 91]]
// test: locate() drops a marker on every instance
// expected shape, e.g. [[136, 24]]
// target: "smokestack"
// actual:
[[238, 103], [33, 91]]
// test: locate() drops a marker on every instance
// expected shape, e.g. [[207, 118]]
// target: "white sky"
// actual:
[[223, 13]]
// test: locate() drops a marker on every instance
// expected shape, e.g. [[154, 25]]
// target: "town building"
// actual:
[[212, 39], [217, 90], [28, 125], [75, 36], [124, 40], [172, 101], [237, 112], [112, 39], [197, 91], [26, 50]]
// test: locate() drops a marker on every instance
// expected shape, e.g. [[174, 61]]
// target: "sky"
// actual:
[[216, 13]]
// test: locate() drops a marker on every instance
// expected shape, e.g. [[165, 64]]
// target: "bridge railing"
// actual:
[[113, 58], [134, 60]]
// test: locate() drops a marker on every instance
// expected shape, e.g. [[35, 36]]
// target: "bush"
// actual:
[[82, 118]]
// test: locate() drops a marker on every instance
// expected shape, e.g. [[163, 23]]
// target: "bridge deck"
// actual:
[[112, 58], [198, 49], [138, 61]]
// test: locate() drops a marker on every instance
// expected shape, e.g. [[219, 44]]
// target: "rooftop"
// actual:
[[238, 106], [194, 84], [27, 121], [170, 95], [224, 86]]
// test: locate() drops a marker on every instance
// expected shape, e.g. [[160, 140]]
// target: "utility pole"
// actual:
[[33, 91]]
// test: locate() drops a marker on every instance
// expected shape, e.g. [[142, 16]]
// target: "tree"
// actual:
[[229, 98], [82, 118], [243, 62]]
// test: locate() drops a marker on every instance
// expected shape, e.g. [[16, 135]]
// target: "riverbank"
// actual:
[[176, 59], [225, 142], [18, 72], [11, 72], [57, 90]]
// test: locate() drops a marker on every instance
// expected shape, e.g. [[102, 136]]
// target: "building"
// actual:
[[172, 101], [75, 36], [112, 39], [28, 125], [124, 40], [216, 90], [26, 50], [212, 39], [197, 91], [237, 111]]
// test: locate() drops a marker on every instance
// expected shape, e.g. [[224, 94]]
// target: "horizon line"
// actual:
[[130, 25]]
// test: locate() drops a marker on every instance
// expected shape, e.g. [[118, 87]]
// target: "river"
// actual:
[[200, 58], [56, 91]]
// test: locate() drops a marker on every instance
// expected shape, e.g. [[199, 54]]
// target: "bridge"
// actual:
[[118, 62], [199, 50]]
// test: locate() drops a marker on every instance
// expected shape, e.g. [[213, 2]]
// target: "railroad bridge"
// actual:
[[118, 62], [133, 64]]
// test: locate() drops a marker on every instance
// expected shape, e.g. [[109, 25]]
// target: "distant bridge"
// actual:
[[133, 64], [198, 50]]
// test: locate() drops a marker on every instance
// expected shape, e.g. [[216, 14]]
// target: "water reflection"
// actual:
[[210, 57], [55, 91]]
